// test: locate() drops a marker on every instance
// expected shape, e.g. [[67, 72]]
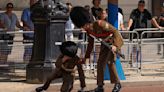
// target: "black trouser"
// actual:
[[27, 39], [8, 37]]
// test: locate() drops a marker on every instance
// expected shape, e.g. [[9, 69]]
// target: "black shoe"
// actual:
[[158, 53], [99, 89], [117, 87], [39, 89]]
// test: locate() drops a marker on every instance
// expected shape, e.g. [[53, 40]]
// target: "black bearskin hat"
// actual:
[[69, 48], [80, 16]]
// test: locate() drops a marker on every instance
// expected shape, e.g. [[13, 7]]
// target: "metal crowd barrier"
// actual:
[[143, 53], [12, 59], [19, 42], [149, 50], [127, 49], [131, 39], [14, 49]]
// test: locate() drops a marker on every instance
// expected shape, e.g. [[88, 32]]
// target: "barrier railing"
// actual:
[[127, 49], [75, 31], [129, 43], [152, 44], [141, 32]]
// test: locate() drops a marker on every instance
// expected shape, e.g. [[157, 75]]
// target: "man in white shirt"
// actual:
[[69, 25], [120, 20]]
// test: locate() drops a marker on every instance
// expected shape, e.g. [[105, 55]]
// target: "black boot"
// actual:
[[39, 89], [99, 89], [117, 87]]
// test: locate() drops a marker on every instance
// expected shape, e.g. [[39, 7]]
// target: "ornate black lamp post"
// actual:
[[49, 17]]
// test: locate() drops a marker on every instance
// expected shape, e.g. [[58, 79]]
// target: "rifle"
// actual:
[[109, 46]]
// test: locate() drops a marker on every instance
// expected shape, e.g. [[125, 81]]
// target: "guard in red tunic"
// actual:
[[105, 31]]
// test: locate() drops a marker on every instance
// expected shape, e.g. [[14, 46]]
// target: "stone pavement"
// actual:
[[132, 84], [126, 87], [144, 86], [135, 83]]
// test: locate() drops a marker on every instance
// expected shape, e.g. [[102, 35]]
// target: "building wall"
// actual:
[[156, 8], [126, 5], [19, 4], [86, 2]]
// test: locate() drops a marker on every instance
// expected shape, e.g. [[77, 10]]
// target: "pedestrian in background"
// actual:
[[96, 8], [28, 26], [139, 19], [161, 23], [69, 26], [8, 22]]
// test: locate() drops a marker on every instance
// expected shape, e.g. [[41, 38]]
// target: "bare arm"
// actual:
[[1, 24], [18, 25], [130, 24], [122, 27], [26, 26], [154, 22]]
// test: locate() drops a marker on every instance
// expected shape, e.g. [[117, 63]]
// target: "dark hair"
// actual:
[[100, 12], [69, 4], [87, 7], [69, 48], [141, 1], [93, 1], [120, 11], [9, 5], [80, 16]]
